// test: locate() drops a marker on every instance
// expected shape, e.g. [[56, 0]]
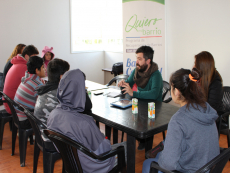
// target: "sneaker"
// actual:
[[153, 152], [141, 146]]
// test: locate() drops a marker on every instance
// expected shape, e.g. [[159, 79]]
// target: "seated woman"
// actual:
[[67, 119], [211, 80], [192, 137]]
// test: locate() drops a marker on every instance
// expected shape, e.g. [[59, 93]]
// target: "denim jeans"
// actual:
[[147, 163]]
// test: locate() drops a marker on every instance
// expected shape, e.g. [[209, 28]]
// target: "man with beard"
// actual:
[[146, 75], [147, 78]]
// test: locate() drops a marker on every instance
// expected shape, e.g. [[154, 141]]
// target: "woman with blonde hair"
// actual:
[[17, 50], [211, 81]]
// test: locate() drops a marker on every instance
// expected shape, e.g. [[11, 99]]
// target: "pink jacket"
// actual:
[[13, 77], [47, 49]]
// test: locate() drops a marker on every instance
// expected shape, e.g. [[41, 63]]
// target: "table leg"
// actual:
[[115, 136], [131, 147], [108, 131], [148, 143]]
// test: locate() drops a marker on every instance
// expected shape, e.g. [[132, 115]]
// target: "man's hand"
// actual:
[[127, 89], [121, 83]]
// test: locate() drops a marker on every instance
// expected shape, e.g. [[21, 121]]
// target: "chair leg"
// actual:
[[63, 167], [115, 136], [31, 140], [228, 138], [22, 147], [36, 156], [108, 131], [14, 135], [1, 132], [163, 133], [10, 123], [48, 162], [122, 136]]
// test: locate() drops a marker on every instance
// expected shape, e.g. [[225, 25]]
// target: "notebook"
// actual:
[[123, 103], [114, 94]]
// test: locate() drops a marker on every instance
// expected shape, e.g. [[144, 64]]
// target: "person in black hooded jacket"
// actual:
[[211, 81], [47, 94]]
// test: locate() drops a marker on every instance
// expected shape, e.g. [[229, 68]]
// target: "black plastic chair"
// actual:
[[23, 133], [4, 118], [216, 165], [166, 89], [50, 154], [223, 120], [119, 77], [68, 150]]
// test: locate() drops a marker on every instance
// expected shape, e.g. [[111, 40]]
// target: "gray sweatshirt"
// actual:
[[191, 141], [67, 119]]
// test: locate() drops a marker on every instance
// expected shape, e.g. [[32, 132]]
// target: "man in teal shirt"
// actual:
[[147, 77]]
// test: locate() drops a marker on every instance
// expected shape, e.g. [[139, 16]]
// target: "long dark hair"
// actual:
[[186, 82], [205, 63]]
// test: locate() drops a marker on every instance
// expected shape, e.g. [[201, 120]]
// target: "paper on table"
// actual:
[[114, 94]]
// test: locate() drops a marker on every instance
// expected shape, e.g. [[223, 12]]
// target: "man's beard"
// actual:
[[142, 67]]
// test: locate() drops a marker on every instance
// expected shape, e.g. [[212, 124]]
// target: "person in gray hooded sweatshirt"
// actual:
[[192, 137], [67, 119]]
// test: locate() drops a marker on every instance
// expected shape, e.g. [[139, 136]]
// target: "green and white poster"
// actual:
[[143, 24]]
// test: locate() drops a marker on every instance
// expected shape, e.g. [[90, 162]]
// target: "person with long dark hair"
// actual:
[[192, 137], [211, 81]]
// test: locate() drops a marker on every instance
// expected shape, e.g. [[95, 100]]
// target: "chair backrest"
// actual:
[[217, 164], [166, 88], [1, 97], [36, 124], [226, 99], [68, 150], [1, 81], [119, 77], [12, 104]]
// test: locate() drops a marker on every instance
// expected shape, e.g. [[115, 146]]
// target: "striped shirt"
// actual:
[[26, 95]]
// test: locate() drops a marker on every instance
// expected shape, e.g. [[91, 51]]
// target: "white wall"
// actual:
[[194, 26], [44, 23], [112, 57]]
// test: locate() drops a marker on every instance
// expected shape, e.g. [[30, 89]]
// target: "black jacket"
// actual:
[[215, 94], [6, 69]]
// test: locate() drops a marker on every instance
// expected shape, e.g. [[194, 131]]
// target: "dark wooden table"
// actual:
[[135, 125]]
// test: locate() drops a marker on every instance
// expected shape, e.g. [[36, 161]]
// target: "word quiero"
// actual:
[[136, 24]]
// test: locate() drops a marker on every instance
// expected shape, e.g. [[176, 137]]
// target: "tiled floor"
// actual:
[[9, 164]]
